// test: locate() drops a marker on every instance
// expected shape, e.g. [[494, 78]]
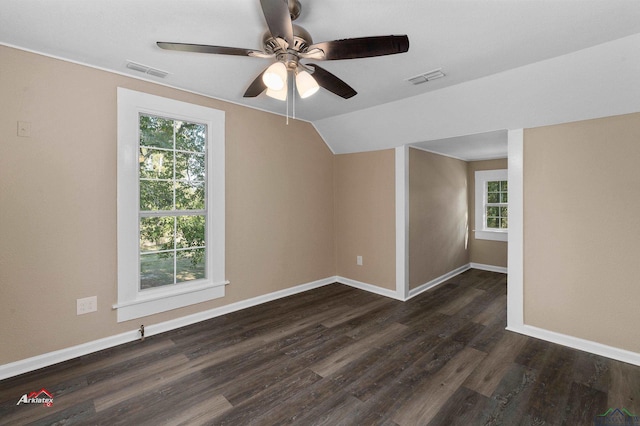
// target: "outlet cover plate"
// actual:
[[86, 305]]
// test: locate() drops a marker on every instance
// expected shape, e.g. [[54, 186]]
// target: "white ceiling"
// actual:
[[468, 39], [482, 146]]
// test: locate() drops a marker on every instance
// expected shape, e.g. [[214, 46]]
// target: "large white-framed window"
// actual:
[[491, 205], [171, 224]]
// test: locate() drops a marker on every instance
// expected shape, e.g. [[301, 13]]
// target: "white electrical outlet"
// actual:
[[359, 260], [86, 305]]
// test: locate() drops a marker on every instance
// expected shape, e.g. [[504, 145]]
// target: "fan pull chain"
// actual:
[[287, 97]]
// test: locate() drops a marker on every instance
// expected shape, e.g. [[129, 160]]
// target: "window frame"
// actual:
[[133, 302], [482, 177]]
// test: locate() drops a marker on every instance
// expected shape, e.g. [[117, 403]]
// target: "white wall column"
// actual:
[[515, 265], [402, 222]]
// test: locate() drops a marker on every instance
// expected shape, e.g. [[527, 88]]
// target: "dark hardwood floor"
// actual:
[[337, 356]]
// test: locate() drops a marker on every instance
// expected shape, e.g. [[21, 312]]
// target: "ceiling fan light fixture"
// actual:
[[280, 95], [306, 84], [290, 43], [275, 76]]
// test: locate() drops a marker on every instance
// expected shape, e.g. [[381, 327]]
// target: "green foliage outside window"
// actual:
[[172, 181], [497, 205]]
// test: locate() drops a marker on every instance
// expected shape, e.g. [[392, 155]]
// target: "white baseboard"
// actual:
[[490, 268], [437, 281], [422, 288], [44, 360], [50, 358], [368, 287], [233, 307], [578, 343]]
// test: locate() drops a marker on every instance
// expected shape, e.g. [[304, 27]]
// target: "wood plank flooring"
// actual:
[[337, 356]]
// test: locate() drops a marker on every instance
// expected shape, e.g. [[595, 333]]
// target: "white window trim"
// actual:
[[481, 179], [133, 303]]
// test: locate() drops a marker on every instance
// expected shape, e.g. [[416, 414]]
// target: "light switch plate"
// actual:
[[24, 129]]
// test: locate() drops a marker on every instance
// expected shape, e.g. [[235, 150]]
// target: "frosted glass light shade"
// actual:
[[275, 76], [306, 84], [280, 95]]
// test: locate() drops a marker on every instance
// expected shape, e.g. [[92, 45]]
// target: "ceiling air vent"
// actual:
[[146, 70], [428, 76]]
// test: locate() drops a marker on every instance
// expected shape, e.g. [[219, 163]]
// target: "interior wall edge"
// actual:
[[402, 220], [515, 248], [371, 288], [489, 268], [322, 137], [578, 343], [437, 281]]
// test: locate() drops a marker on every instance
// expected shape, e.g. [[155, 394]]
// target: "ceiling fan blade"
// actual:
[[205, 48], [332, 83], [276, 13], [363, 47], [256, 87]]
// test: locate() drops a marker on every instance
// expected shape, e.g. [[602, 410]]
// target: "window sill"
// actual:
[[492, 235], [156, 302]]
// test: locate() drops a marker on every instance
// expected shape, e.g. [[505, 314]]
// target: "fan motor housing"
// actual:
[[301, 41]]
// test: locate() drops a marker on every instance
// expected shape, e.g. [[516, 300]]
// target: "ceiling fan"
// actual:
[[289, 44]]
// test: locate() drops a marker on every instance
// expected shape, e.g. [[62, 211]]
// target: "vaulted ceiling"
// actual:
[[467, 39]]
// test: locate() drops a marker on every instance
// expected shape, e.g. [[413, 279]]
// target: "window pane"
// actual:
[[156, 164], [190, 167], [156, 131], [156, 233], [190, 196], [504, 223], [504, 197], [493, 186], [190, 231], [493, 211], [504, 211], [156, 270], [156, 195], [493, 197], [190, 136], [171, 179], [190, 265], [492, 222]]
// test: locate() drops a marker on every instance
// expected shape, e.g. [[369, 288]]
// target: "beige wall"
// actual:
[[437, 216], [296, 213], [365, 217], [58, 203], [581, 229], [486, 252]]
